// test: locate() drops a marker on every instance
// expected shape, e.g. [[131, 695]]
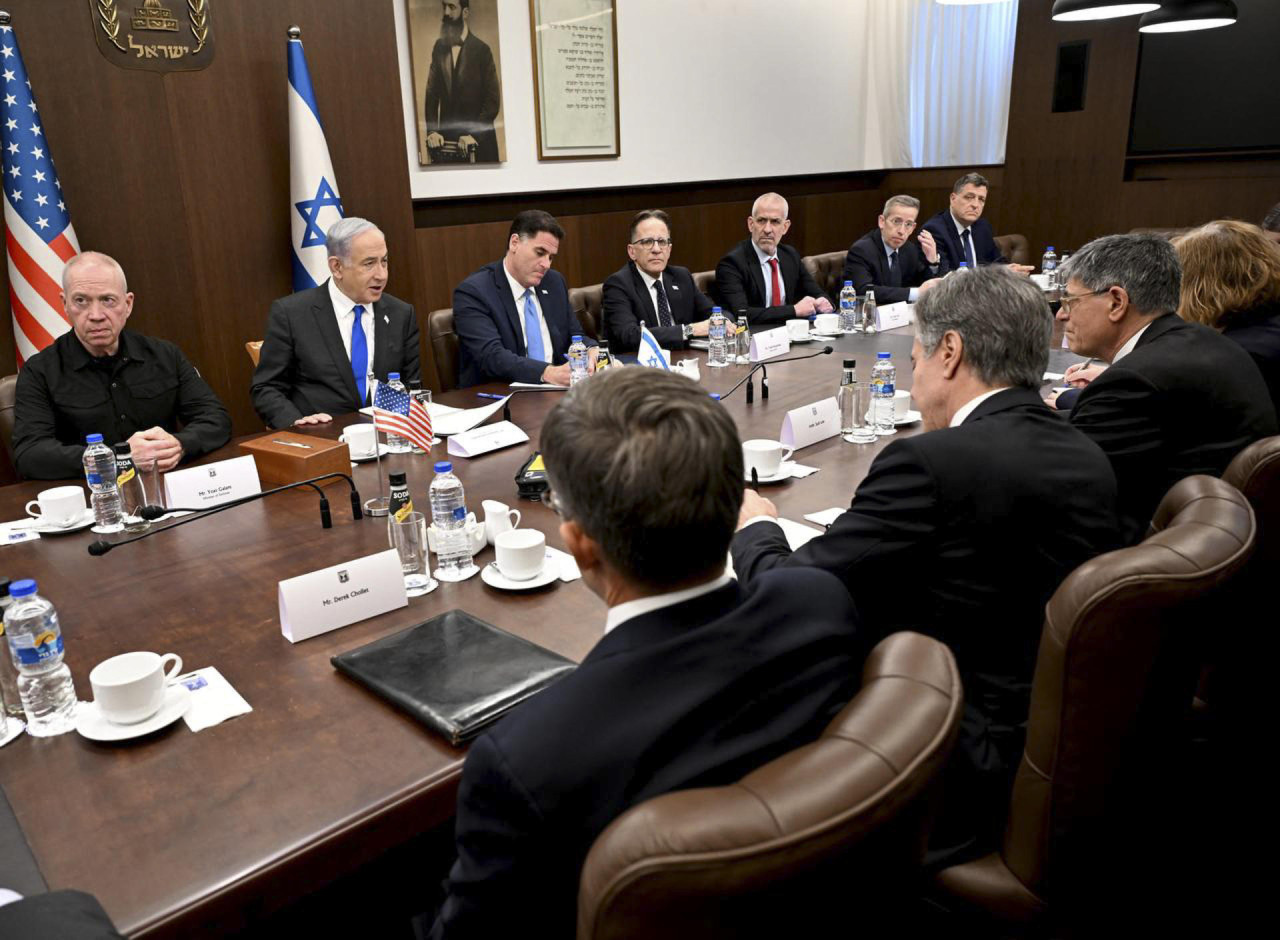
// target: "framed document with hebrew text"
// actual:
[[575, 78]]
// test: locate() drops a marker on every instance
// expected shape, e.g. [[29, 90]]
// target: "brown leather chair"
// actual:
[[1015, 248], [1110, 696], [444, 347], [827, 270], [588, 303], [254, 349], [851, 808], [705, 281], [8, 395]]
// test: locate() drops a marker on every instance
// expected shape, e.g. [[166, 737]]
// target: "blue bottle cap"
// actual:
[[393, 376], [22, 588], [715, 395], [964, 264], [577, 338], [93, 439], [444, 466], [1050, 248], [883, 355], [715, 310], [848, 283]]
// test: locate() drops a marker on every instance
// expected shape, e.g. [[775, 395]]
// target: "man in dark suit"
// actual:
[[763, 279], [885, 261], [961, 233], [695, 681], [323, 344], [463, 93], [964, 532], [650, 290], [512, 317], [1178, 398]]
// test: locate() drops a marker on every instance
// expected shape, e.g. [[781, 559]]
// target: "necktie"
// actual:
[[895, 275], [664, 308], [532, 329], [968, 249], [359, 354], [775, 296]]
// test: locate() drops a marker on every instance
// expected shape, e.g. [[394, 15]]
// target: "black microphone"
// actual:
[[506, 405], [764, 382], [101, 546]]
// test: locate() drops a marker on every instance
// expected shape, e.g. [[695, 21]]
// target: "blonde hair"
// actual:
[[1227, 267]]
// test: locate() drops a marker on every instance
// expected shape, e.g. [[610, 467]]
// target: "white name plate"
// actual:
[[484, 439], [324, 600], [768, 344], [810, 424], [893, 316], [213, 483]]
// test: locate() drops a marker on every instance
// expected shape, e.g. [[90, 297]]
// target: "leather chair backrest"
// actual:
[[8, 395], [718, 861], [1255, 472], [1015, 248], [254, 349], [588, 304], [444, 347], [705, 281], [826, 270]]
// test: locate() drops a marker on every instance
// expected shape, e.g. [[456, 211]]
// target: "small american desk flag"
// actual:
[[396, 412]]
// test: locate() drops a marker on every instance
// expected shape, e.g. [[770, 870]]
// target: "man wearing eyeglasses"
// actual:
[[961, 233], [887, 262], [649, 289]]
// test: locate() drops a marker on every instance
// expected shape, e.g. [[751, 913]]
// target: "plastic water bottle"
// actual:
[[449, 516], [849, 308], [8, 671], [717, 353], [743, 332], [100, 474], [848, 376], [35, 645], [577, 360], [883, 375], [869, 313], [396, 444], [1049, 267]]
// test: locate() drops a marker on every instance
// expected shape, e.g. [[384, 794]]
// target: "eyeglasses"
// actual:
[[900, 224], [549, 497], [1067, 301], [662, 244]]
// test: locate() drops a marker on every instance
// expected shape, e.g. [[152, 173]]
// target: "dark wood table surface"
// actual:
[[179, 831]]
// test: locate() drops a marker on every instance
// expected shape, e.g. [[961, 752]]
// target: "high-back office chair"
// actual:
[[254, 349], [1113, 682], [824, 826], [444, 347], [8, 396], [826, 270], [588, 304], [1015, 248], [705, 281]]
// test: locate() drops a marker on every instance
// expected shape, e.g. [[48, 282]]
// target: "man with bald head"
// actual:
[[763, 279], [100, 378]]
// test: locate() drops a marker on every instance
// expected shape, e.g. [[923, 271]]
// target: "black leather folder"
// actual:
[[454, 673]]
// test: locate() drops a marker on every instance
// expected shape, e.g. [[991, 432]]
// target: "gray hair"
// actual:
[[1002, 317], [97, 256], [970, 179], [770, 197], [650, 467], [1146, 266], [337, 241], [907, 202]]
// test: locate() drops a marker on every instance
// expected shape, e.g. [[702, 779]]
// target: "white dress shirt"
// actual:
[[967, 409], [767, 269], [912, 292], [457, 50], [343, 308], [623, 612], [653, 295], [960, 230], [517, 291], [1129, 344]]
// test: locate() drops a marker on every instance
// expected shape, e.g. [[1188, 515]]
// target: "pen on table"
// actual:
[[755, 479], [490, 395]]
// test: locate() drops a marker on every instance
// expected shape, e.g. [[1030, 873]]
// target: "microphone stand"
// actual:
[[763, 367]]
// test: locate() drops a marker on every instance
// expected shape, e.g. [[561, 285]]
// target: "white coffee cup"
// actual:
[[58, 506], [797, 330], [521, 553], [1041, 281], [901, 403], [361, 439], [498, 518], [764, 456], [129, 688], [827, 323]]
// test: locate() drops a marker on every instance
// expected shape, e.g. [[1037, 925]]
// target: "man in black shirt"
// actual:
[[100, 378]]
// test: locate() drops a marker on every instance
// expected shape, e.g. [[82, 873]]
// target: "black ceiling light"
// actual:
[[1070, 11], [1180, 16]]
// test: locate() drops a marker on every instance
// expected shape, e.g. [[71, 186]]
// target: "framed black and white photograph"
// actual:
[[575, 78]]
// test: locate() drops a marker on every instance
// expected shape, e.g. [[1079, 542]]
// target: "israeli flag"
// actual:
[[314, 203], [650, 353]]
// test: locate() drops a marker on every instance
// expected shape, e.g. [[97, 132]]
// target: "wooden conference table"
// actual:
[[182, 832]]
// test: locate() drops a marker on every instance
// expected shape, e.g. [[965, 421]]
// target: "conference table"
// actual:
[[181, 832]]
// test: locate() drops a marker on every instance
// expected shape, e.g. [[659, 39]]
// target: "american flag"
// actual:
[[39, 238], [396, 412]]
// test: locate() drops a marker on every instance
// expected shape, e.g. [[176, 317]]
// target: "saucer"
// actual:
[[911, 417], [85, 520], [816, 335], [808, 339], [383, 450], [91, 724], [784, 473], [491, 576]]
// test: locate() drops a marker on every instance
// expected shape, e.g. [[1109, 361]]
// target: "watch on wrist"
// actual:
[[686, 330]]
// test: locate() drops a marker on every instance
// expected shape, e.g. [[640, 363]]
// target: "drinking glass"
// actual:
[[408, 537], [863, 422]]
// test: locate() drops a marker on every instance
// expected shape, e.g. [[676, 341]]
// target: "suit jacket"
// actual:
[[490, 337], [1258, 331], [943, 229], [628, 303], [697, 694], [304, 368], [464, 100], [740, 284], [867, 266], [1185, 401], [964, 533]]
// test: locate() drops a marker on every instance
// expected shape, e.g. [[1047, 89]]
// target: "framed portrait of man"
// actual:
[[457, 81]]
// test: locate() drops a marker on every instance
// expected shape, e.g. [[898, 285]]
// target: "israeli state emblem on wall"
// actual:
[[156, 35]]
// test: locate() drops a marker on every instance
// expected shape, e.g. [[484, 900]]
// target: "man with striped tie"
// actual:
[[325, 344], [512, 317]]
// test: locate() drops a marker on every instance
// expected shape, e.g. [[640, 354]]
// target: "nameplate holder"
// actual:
[[810, 424], [768, 344], [324, 600], [212, 484], [483, 439], [893, 316]]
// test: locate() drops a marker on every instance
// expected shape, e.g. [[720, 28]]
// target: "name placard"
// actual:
[[324, 600], [810, 424], [768, 344], [484, 439], [213, 483], [893, 316]]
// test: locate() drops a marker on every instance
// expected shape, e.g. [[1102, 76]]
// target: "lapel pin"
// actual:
[[544, 291], [675, 286], [386, 319]]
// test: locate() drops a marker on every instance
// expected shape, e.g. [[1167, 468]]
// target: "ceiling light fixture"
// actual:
[[1180, 16], [1072, 11]]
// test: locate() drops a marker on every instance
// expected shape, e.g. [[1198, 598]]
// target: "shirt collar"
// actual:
[[764, 259], [342, 304], [959, 417], [1129, 344], [516, 289], [960, 226], [81, 357], [628, 610], [648, 281]]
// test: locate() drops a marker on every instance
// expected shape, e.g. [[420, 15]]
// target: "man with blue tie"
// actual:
[[324, 344], [960, 231], [512, 317]]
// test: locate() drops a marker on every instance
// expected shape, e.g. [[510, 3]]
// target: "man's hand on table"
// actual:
[[155, 444]]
